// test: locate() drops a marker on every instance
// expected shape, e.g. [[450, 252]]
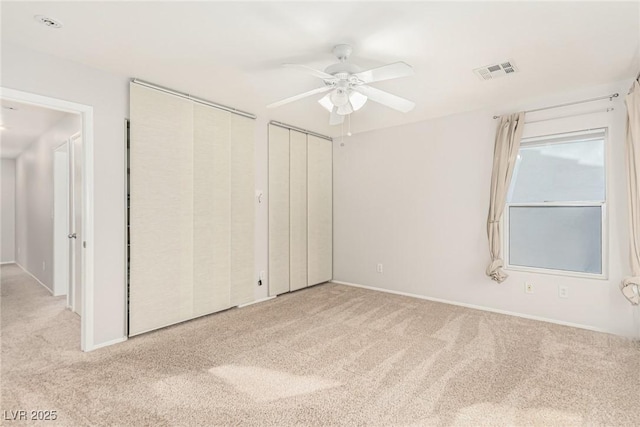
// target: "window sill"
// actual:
[[564, 273]]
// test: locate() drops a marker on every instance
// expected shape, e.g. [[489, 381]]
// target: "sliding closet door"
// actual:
[[191, 210], [279, 182], [242, 209], [320, 210], [298, 210], [212, 210], [161, 221]]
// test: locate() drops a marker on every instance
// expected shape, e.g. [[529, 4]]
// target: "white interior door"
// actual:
[[76, 224], [61, 220]]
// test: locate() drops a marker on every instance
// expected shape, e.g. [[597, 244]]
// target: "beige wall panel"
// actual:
[[278, 210], [161, 218], [298, 210], [212, 210], [320, 210], [242, 209]]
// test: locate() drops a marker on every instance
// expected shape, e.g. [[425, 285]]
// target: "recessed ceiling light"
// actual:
[[49, 22]]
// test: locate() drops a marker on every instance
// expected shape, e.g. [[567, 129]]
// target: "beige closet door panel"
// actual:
[[278, 210], [298, 210], [242, 209], [320, 210], [161, 216], [211, 210]]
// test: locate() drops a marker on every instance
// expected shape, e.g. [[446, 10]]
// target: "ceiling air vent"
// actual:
[[494, 71]]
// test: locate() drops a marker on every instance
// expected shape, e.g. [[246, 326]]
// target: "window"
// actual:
[[556, 205]]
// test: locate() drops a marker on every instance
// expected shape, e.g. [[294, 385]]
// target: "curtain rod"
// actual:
[[193, 98], [286, 126], [605, 110], [609, 97]]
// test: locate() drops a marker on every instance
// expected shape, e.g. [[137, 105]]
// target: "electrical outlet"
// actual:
[[528, 287], [563, 291], [44, 265], [379, 268]]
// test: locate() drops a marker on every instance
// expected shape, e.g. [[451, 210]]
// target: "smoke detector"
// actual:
[[494, 71], [49, 22]]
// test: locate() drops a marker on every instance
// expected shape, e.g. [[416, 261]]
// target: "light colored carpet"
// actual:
[[328, 355]]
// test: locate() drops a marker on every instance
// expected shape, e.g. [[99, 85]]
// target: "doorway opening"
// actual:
[[49, 143]]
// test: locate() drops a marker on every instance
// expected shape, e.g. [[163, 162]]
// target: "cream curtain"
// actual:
[[505, 152], [630, 285]]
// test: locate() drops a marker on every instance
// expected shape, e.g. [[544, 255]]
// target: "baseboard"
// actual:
[[256, 302], [8, 262], [477, 307], [35, 278], [108, 343]]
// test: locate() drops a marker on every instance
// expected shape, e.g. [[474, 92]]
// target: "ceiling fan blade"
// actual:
[[299, 96], [386, 72], [386, 98], [335, 118], [312, 71]]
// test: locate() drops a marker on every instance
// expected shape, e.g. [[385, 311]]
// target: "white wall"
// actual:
[[34, 200], [31, 71], [8, 210], [415, 198]]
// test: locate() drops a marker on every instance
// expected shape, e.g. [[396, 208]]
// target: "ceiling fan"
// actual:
[[348, 88]]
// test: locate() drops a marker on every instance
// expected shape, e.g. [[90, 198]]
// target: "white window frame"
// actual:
[[548, 140]]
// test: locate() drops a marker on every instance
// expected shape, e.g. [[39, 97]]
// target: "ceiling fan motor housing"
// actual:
[[342, 68]]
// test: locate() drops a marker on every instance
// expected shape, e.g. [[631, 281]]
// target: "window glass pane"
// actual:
[[559, 172], [556, 237]]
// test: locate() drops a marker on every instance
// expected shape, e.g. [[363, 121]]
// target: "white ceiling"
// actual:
[[23, 125], [230, 52]]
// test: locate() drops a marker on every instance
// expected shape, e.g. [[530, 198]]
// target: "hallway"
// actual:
[[37, 330]]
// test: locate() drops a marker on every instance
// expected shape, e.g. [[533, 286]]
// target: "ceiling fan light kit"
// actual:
[[348, 88]]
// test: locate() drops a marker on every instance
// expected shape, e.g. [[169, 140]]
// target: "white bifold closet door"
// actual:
[[279, 226], [300, 179], [191, 210], [297, 210], [320, 210]]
